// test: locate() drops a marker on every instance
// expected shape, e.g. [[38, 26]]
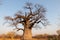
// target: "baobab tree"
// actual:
[[35, 14]]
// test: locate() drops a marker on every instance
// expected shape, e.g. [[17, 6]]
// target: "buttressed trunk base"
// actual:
[[27, 34]]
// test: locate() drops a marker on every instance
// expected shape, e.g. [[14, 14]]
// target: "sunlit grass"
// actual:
[[19, 39], [8, 39], [13, 36]]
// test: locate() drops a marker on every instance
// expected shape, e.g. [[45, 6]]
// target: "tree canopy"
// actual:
[[34, 15]]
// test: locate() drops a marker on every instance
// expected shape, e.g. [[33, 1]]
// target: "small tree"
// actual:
[[58, 32], [34, 15], [11, 34]]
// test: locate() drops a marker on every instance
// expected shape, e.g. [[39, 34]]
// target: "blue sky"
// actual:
[[9, 7]]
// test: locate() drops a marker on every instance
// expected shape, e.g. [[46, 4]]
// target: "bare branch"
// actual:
[[9, 18], [28, 6], [19, 16], [18, 29]]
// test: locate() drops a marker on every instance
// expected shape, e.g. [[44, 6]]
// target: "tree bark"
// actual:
[[27, 34]]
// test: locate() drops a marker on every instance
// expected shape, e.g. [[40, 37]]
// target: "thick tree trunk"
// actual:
[[27, 34]]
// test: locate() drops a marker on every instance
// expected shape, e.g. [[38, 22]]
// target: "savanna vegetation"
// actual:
[[14, 36]]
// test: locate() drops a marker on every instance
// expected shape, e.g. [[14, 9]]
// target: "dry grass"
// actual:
[[9, 39], [39, 39], [19, 39]]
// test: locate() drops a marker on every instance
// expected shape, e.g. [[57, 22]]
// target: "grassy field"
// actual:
[[11, 36], [20, 39]]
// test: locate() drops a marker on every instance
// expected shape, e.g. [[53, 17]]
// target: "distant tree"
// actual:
[[34, 15], [58, 32]]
